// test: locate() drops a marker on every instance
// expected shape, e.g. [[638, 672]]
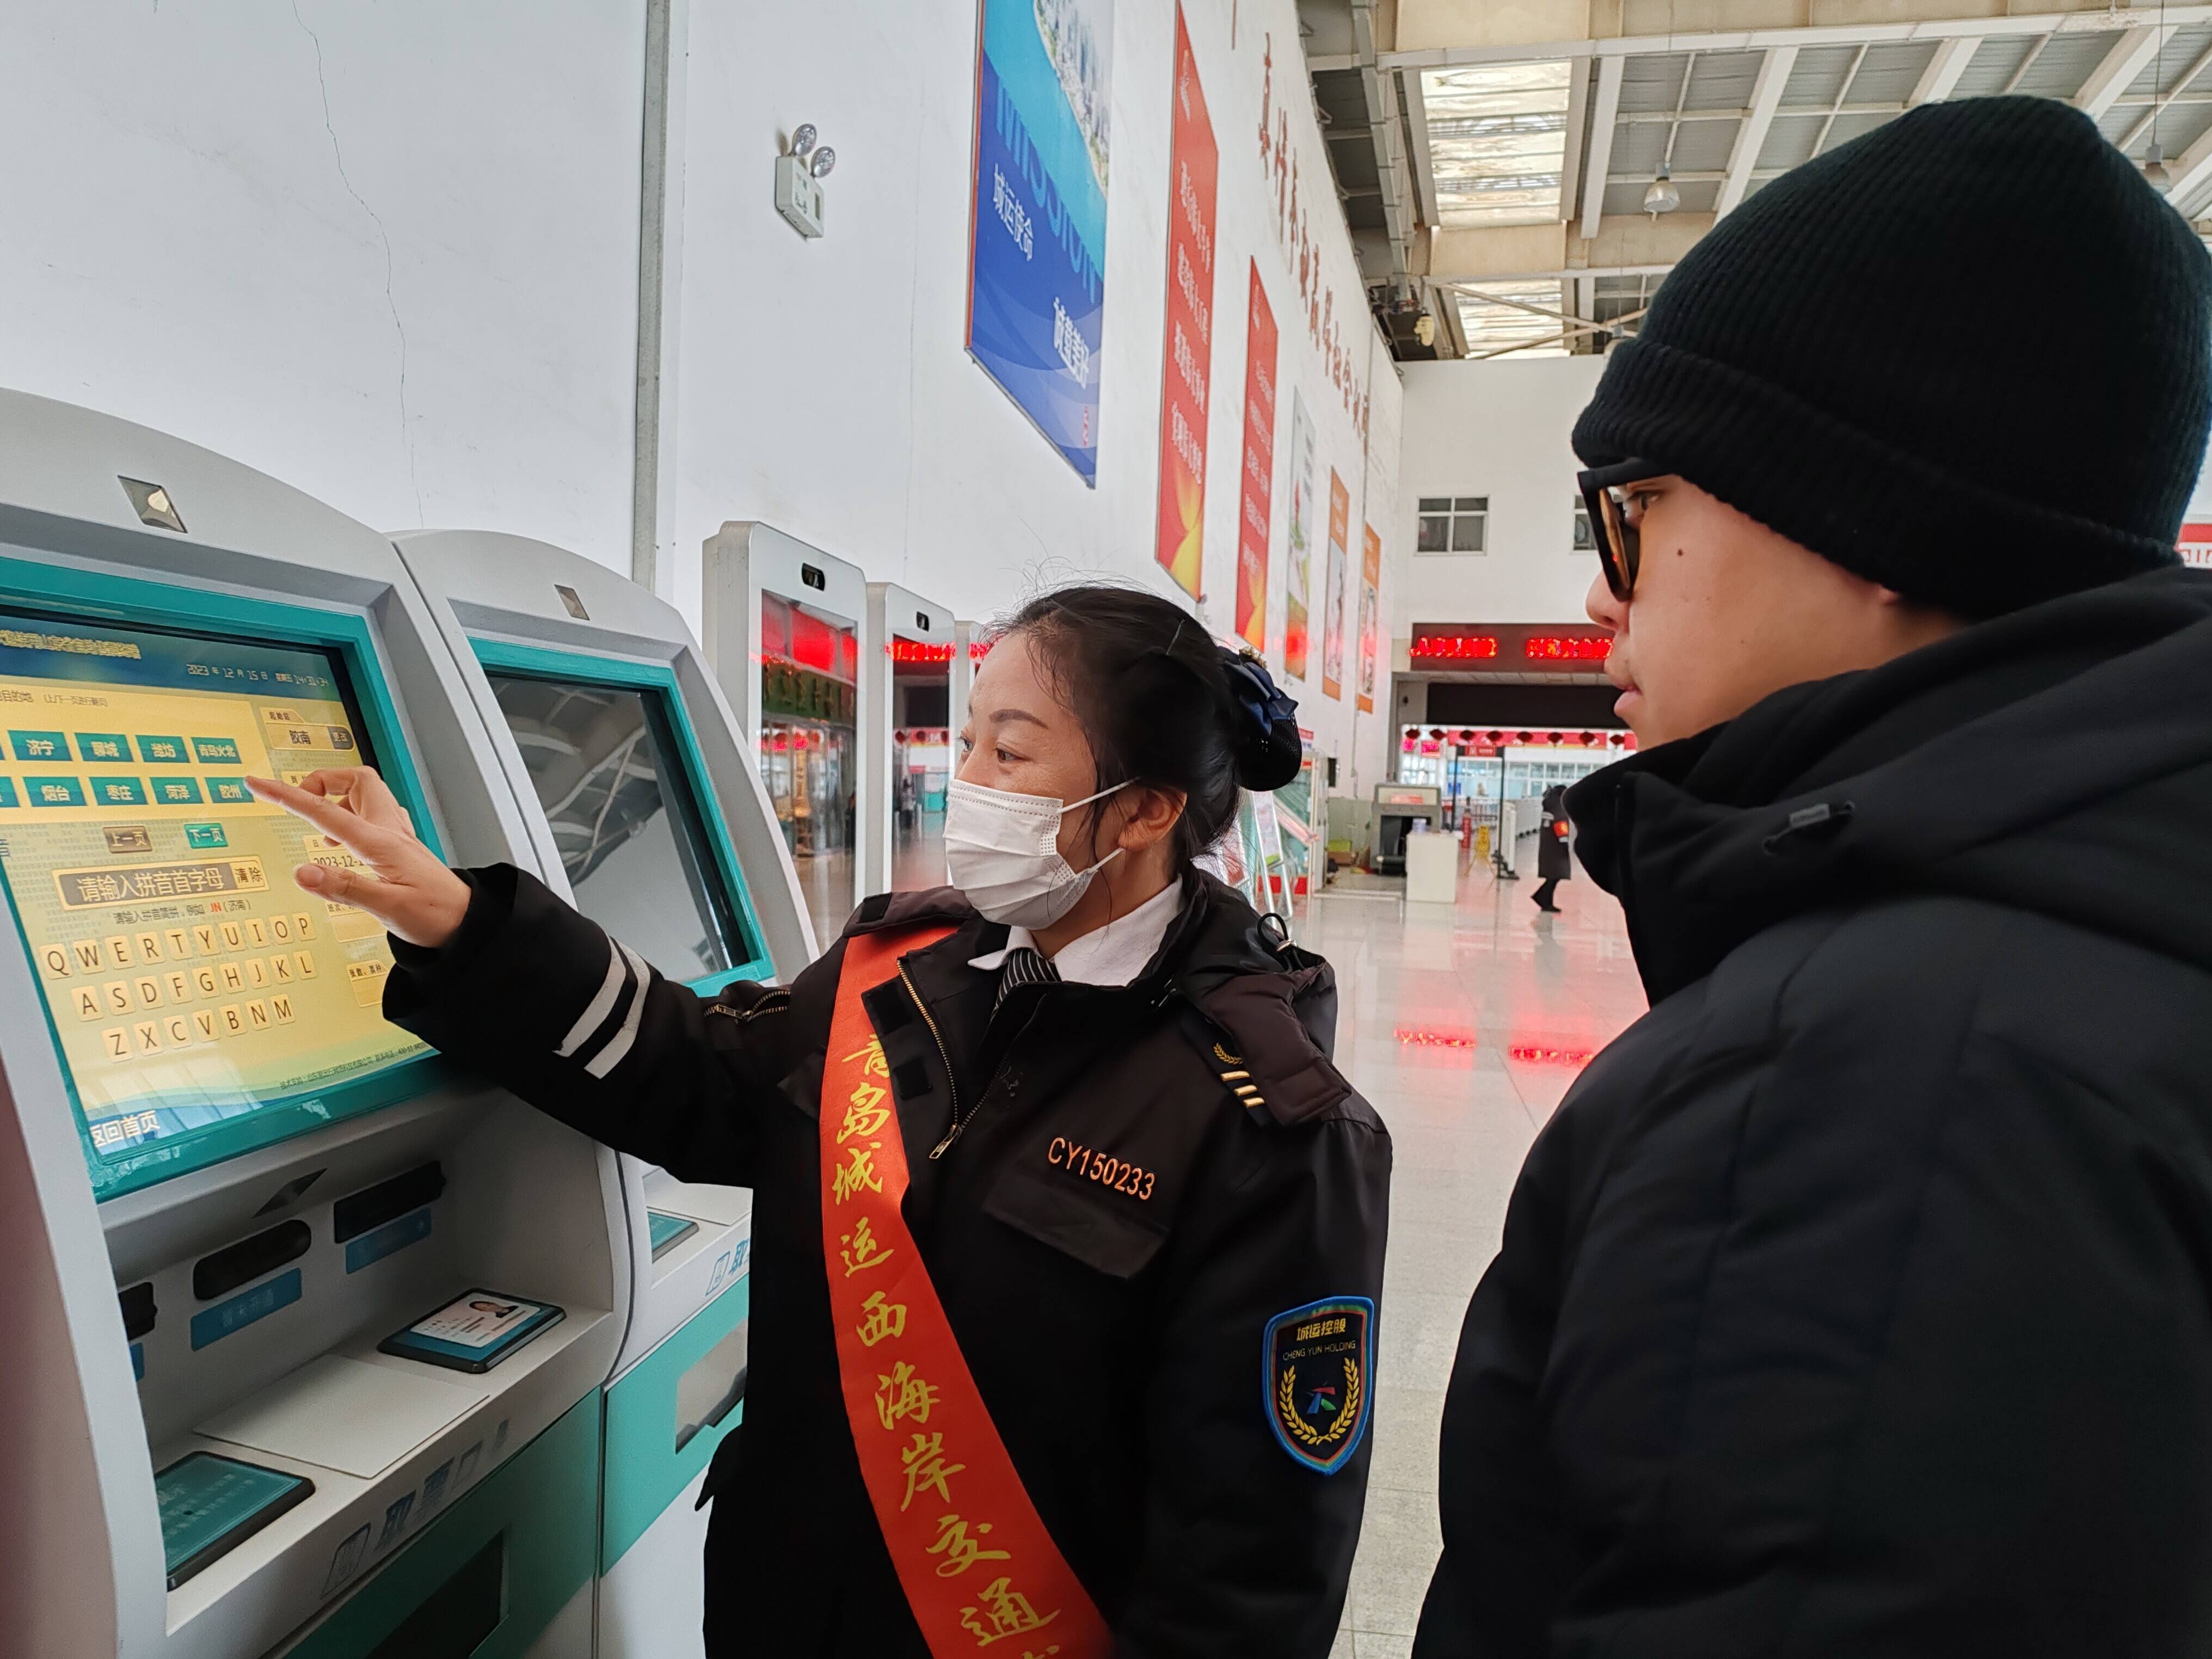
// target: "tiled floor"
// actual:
[[1463, 1027]]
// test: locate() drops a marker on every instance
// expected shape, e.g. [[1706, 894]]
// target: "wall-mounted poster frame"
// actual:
[[1036, 234], [1187, 365], [1297, 614], [1371, 596], [1256, 490], [1332, 638]]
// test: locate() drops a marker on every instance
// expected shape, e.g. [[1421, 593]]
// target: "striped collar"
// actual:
[[1114, 954]]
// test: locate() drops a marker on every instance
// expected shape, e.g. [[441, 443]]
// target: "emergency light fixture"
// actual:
[[799, 172]]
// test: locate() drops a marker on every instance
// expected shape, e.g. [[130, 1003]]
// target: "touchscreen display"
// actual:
[[202, 1003], [604, 763]]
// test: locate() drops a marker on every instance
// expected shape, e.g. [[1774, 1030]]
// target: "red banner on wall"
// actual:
[[1259, 475], [1331, 633], [1194, 163], [1371, 614]]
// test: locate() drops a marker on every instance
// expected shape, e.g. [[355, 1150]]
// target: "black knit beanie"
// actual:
[[1966, 356]]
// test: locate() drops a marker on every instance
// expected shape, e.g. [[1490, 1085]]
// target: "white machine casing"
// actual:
[[742, 562], [894, 613], [487, 585], [529, 1207]]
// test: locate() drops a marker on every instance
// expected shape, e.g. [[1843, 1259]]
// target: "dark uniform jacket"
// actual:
[[1554, 860], [1111, 1233], [1858, 1301]]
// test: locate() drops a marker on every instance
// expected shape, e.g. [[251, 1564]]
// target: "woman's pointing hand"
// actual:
[[405, 887]]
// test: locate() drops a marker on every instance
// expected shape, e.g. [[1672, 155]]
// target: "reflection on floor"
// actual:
[[826, 879], [917, 859], [1463, 1026]]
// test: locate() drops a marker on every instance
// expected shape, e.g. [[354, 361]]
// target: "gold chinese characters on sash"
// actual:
[[980, 1573]]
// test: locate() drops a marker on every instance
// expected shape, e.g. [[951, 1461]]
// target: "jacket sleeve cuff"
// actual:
[[522, 969]]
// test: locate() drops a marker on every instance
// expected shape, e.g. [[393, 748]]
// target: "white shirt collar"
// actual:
[[1112, 954]]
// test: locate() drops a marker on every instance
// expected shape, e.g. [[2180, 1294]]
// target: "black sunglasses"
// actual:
[[1605, 492]]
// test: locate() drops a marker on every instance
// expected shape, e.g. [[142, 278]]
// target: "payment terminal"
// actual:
[[645, 810], [226, 1185]]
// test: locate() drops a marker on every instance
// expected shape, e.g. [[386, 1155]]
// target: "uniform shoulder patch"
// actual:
[[1317, 1364]]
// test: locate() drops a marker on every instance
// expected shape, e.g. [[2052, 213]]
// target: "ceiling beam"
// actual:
[[2191, 172], [1379, 91], [1604, 105], [1425, 176], [1751, 137], [2198, 65], [1626, 243], [2028, 63], [1904, 20], [2118, 71], [1579, 79], [1944, 69]]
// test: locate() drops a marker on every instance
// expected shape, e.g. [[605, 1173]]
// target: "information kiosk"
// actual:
[[332, 1317], [646, 812], [782, 626], [906, 740]]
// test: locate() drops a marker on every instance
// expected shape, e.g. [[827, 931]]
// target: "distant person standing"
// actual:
[[1554, 862], [1858, 1301]]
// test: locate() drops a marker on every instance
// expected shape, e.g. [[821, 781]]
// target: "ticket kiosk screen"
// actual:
[[201, 1002], [605, 764]]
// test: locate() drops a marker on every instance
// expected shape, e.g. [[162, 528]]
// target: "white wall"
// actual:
[[387, 253], [825, 387], [1498, 429]]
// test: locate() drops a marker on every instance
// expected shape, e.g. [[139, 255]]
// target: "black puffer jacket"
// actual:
[[1115, 1331], [1858, 1300]]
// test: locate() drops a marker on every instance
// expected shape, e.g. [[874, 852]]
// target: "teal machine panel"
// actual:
[[610, 747], [200, 1005], [229, 1175], [668, 1415], [488, 1575], [647, 810]]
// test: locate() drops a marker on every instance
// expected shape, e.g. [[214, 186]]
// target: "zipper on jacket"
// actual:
[[945, 1054], [774, 1002]]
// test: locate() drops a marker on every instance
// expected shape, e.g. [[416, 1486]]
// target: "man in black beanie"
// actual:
[[1858, 1301]]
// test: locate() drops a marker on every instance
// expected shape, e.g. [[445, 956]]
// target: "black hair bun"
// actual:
[[1263, 724]]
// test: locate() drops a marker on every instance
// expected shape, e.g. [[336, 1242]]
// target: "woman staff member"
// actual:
[[1068, 1235]]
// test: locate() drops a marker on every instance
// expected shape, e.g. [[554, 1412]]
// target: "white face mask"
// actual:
[[1002, 850]]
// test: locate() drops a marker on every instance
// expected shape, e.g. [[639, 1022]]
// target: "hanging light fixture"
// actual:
[[2155, 170], [1661, 196]]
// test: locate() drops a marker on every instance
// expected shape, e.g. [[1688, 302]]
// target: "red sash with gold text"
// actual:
[[978, 1566]]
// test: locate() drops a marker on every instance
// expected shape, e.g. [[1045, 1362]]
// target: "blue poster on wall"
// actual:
[[1037, 248]]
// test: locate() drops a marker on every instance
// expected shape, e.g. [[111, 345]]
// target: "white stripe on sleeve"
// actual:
[[596, 1011], [611, 1056]]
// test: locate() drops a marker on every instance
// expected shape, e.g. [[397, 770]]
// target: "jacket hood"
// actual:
[[2056, 760]]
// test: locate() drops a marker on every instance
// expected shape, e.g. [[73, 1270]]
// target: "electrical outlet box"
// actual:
[[798, 195]]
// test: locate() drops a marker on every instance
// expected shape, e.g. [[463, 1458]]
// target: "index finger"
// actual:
[[334, 819]]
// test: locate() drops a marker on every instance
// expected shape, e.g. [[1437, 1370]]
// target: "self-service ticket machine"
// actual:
[[971, 645], [325, 1321], [782, 633], [906, 740], [644, 810]]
